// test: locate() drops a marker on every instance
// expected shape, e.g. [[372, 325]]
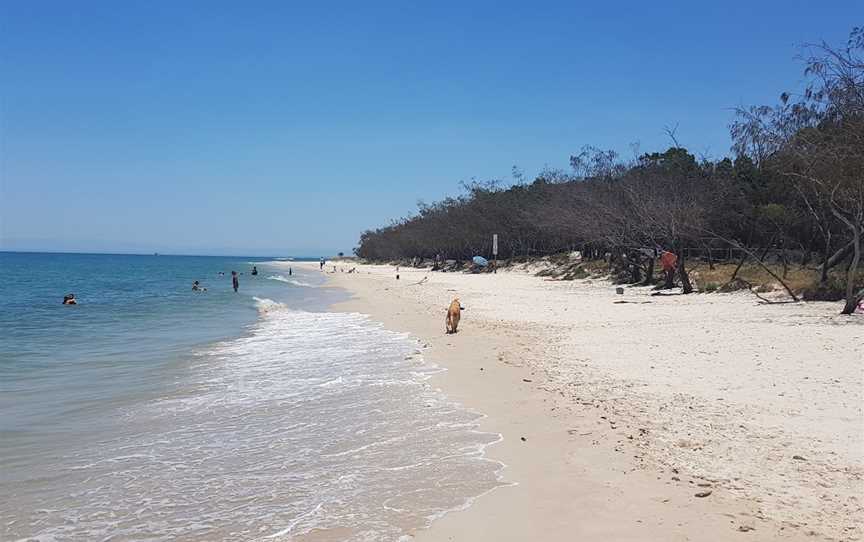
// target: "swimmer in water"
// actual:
[[235, 281], [69, 299], [196, 287]]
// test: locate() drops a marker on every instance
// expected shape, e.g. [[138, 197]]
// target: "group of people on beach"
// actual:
[[321, 263]]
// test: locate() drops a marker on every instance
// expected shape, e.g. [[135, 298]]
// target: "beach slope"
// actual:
[[632, 417]]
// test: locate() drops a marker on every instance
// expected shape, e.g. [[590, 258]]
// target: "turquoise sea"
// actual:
[[150, 411]]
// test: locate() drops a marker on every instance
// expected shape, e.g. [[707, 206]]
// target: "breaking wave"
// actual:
[[311, 422], [295, 282]]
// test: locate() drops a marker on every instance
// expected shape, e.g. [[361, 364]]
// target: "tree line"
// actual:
[[795, 181]]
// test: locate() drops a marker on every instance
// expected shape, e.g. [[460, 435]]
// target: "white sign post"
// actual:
[[495, 251]]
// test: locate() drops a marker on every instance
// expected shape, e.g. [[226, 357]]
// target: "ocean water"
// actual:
[[152, 412]]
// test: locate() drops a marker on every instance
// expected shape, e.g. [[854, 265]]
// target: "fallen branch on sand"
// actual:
[[759, 262], [764, 299]]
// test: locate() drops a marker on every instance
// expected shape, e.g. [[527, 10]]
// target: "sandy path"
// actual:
[[631, 405]]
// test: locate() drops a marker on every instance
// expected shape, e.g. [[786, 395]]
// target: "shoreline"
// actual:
[[581, 468]]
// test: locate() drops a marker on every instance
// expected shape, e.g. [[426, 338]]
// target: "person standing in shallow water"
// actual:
[[235, 281]]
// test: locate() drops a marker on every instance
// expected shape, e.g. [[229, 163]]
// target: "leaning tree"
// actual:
[[817, 142]]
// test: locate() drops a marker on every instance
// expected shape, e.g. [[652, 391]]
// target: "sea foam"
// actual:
[[295, 282], [319, 422]]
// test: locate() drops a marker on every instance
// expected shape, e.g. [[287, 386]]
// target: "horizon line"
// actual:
[[25, 251]]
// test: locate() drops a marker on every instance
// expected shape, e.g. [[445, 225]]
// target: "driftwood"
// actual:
[[760, 263], [764, 299]]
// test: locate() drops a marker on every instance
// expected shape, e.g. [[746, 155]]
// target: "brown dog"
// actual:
[[454, 313]]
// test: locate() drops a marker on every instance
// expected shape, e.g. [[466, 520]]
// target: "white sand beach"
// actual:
[[617, 410]]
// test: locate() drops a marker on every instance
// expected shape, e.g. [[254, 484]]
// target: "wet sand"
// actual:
[[617, 410]]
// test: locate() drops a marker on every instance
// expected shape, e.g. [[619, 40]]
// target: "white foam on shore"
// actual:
[[309, 422], [295, 282]]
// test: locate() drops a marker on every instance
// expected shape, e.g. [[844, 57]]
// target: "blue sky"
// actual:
[[286, 127]]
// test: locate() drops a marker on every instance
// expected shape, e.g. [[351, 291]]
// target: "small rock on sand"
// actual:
[[702, 494]]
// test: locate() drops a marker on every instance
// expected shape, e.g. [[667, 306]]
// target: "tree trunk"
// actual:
[[785, 262], [808, 250], [836, 258], [635, 270], [852, 299], [686, 287], [823, 276], [649, 273], [740, 263]]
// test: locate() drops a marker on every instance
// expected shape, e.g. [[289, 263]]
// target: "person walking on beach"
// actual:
[[321, 264], [235, 281]]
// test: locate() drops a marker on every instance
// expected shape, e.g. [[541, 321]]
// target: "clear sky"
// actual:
[[289, 127]]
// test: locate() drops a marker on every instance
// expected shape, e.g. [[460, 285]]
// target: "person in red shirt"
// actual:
[[669, 262]]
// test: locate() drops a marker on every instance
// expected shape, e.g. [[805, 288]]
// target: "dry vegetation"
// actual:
[[719, 277]]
